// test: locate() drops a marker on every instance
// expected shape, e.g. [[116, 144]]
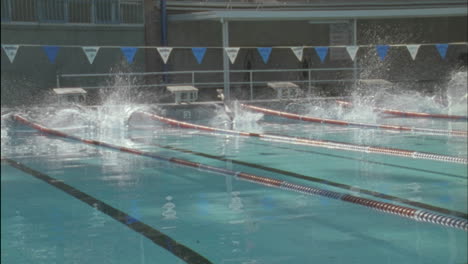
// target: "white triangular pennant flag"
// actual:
[[91, 53], [165, 52], [413, 50], [352, 50], [298, 51], [10, 51], [232, 53]]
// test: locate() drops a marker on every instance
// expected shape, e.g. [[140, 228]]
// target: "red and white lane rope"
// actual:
[[315, 142], [403, 211], [409, 114], [346, 123]]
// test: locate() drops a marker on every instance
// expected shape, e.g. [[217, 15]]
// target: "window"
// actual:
[[106, 11]]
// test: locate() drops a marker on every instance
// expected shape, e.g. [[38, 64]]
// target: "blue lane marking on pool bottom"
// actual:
[[135, 213], [179, 250]]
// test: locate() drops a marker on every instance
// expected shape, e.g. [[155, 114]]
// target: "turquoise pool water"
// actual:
[[221, 218]]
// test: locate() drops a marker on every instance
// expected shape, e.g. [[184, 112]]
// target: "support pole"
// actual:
[[163, 8], [354, 43], [227, 82]]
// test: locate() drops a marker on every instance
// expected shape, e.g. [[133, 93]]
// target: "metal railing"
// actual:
[[73, 11], [299, 4], [210, 78]]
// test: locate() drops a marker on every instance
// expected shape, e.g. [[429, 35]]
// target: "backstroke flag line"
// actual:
[[232, 53], [442, 48], [352, 50], [264, 53], [51, 52], [10, 51], [164, 53], [91, 53], [298, 51], [413, 50], [199, 54], [129, 53], [322, 53], [382, 51]]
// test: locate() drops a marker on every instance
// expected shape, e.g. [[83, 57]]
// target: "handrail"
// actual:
[[198, 71], [253, 78]]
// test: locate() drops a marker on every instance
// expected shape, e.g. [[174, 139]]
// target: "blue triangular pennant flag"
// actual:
[[322, 53], [129, 53], [442, 48], [382, 51], [51, 52], [265, 53], [199, 53]]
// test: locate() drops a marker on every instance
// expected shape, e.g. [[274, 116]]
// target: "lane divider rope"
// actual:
[[407, 212], [314, 142], [409, 114], [267, 111]]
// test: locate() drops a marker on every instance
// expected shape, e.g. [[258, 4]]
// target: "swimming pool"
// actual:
[[64, 201]]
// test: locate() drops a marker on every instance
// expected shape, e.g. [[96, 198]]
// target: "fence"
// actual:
[[73, 11], [283, 4], [249, 79]]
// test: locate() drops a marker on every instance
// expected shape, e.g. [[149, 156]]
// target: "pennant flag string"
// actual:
[[322, 53], [232, 53], [199, 54], [129, 53], [352, 51], [442, 49], [51, 52], [165, 53], [247, 47], [10, 51], [264, 53], [298, 51], [91, 53], [382, 51], [413, 50]]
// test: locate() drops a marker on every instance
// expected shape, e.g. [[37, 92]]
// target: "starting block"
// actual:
[[70, 95], [285, 90], [183, 93]]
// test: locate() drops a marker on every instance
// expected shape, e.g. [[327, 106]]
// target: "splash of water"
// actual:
[[457, 93], [242, 121], [246, 120]]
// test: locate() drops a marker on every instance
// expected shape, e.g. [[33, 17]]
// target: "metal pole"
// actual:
[[93, 11], [251, 84], [163, 7], [57, 79], [225, 32], [309, 73], [354, 44]]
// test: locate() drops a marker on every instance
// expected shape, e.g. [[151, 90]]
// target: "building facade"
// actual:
[[241, 23]]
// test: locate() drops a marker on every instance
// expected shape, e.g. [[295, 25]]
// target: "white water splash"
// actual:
[[243, 120], [457, 94]]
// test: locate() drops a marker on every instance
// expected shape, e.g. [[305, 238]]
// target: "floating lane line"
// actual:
[[313, 142], [459, 133], [403, 211], [314, 179], [409, 114]]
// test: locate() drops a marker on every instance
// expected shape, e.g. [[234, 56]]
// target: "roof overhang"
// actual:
[[250, 15]]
